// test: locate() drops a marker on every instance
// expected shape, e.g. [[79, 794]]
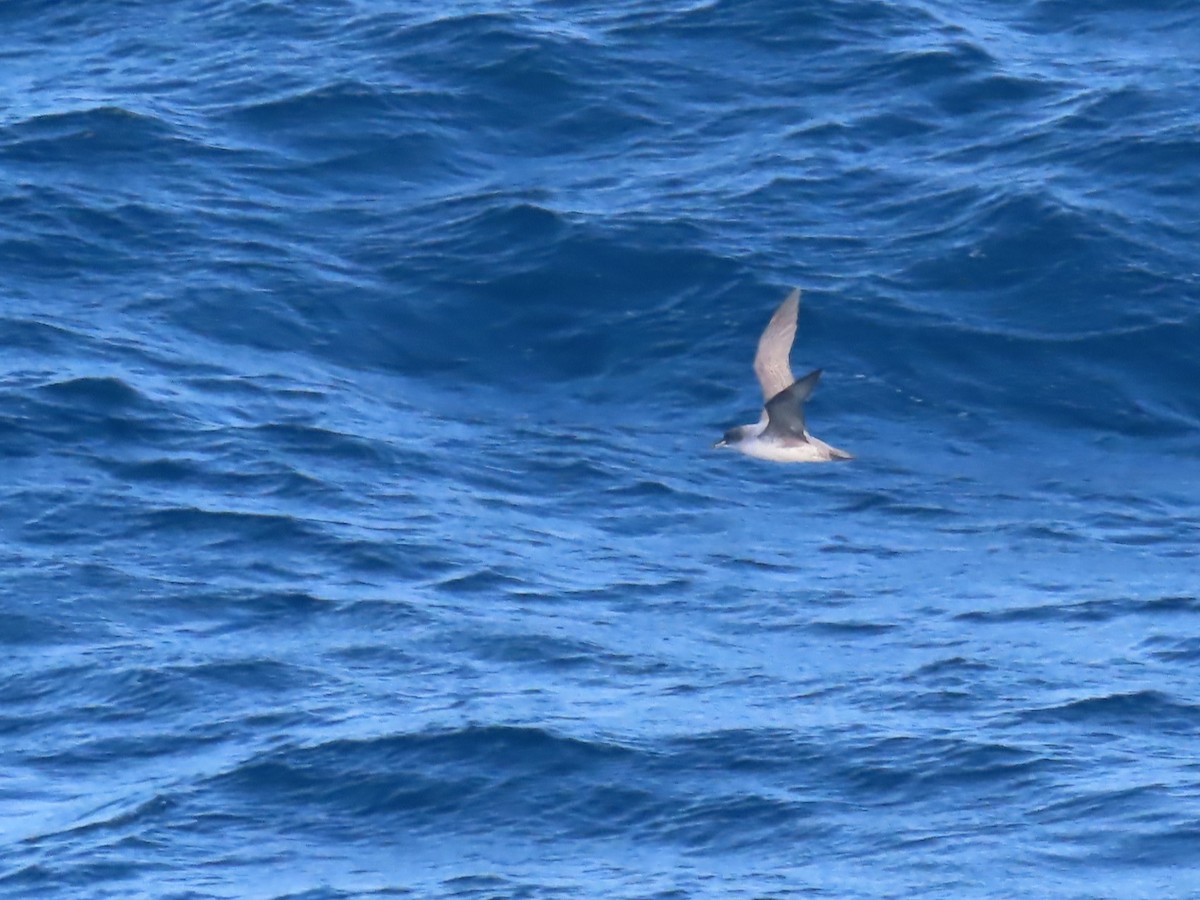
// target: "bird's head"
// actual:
[[732, 436]]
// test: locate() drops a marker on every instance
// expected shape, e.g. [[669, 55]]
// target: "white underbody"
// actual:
[[811, 450], [786, 449]]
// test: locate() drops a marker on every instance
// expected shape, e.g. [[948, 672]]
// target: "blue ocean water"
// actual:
[[360, 534]]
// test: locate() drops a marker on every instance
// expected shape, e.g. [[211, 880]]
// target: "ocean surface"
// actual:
[[361, 533]]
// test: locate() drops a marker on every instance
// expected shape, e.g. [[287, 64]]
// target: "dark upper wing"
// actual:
[[785, 411]]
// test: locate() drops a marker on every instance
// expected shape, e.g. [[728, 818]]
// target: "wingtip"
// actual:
[[810, 380], [788, 312]]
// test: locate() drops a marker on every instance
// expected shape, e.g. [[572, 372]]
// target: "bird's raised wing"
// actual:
[[771, 363]]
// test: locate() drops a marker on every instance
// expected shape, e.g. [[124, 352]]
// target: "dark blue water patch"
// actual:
[[1062, 14], [22, 630], [251, 596], [348, 134], [1175, 649], [92, 410], [755, 26], [1169, 845], [1149, 820], [99, 395], [895, 770], [1129, 802], [897, 505], [115, 816], [104, 136], [120, 694], [999, 97], [564, 777], [325, 445], [489, 886], [29, 688], [224, 526], [534, 91], [918, 70], [40, 338], [424, 779], [132, 749], [533, 311], [57, 238], [487, 581], [1047, 234], [558, 654], [1145, 709], [1102, 610], [632, 594], [851, 628]]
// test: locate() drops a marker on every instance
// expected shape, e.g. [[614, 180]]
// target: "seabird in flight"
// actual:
[[779, 435]]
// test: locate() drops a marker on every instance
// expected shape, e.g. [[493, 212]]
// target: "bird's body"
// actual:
[[810, 449], [780, 434]]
